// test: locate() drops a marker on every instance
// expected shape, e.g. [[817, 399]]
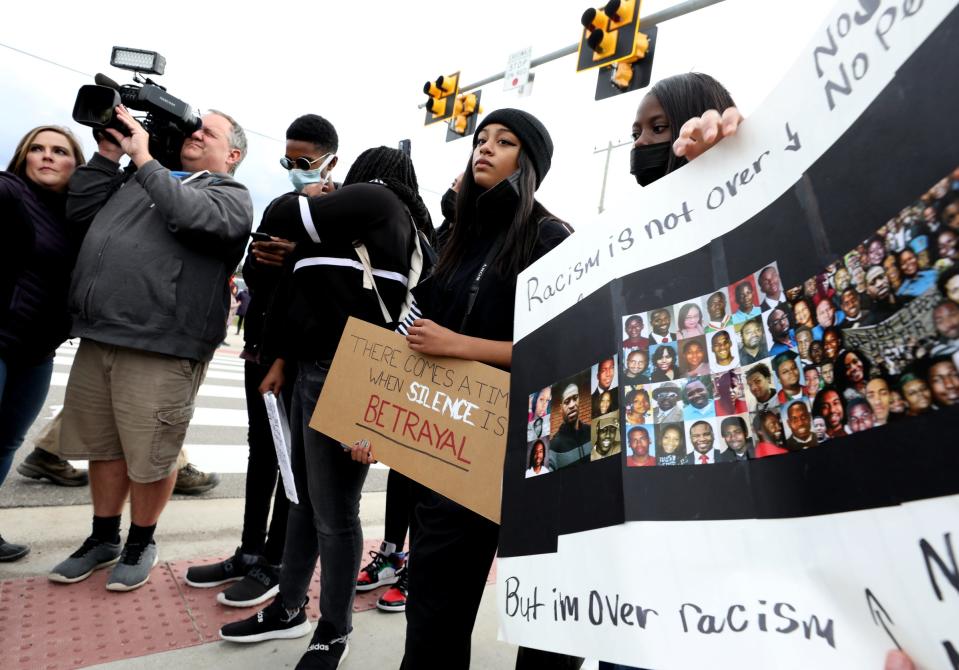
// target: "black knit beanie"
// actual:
[[532, 134]]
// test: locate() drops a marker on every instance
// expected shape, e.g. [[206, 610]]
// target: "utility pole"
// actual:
[[609, 150]]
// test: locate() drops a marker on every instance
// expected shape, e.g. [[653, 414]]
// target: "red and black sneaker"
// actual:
[[394, 600], [382, 570]]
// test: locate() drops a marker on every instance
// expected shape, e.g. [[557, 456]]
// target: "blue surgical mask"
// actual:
[[300, 178]]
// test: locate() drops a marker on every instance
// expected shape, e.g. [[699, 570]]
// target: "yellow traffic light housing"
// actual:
[[608, 34], [621, 13], [466, 110], [441, 92], [632, 73]]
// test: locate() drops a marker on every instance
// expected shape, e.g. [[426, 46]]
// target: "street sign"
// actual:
[[517, 69]]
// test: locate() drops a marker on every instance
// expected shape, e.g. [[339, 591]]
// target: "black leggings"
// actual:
[[450, 558], [399, 508], [262, 473]]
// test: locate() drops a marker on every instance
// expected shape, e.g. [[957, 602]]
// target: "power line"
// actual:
[[248, 131], [46, 60]]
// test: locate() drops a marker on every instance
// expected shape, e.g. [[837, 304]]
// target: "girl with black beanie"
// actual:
[[499, 230]]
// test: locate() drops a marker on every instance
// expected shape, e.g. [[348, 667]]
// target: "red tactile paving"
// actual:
[[48, 626]]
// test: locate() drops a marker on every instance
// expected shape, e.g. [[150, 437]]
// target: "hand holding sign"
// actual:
[[362, 452], [898, 660], [702, 132], [428, 337]]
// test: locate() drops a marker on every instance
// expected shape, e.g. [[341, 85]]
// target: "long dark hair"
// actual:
[[684, 96], [521, 235], [395, 170]]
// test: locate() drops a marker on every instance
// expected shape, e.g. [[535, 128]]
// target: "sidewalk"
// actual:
[[167, 607]]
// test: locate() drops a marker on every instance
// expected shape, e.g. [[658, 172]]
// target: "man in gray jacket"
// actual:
[[149, 300]]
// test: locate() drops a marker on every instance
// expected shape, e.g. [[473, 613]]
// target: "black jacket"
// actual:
[[263, 280], [443, 299], [39, 251], [322, 284]]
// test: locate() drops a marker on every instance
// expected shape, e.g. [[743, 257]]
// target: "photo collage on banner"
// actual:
[[753, 369], [575, 420], [682, 378]]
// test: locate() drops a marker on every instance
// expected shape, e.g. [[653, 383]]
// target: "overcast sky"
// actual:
[[362, 65]]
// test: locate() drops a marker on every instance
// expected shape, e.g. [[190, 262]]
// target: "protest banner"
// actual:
[[439, 421], [785, 312]]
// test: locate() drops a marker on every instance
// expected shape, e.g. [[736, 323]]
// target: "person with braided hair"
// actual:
[[322, 286]]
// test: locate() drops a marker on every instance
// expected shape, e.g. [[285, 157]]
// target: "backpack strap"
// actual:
[[368, 281], [412, 279]]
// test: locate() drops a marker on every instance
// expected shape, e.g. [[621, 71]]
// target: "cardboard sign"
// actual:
[[439, 421]]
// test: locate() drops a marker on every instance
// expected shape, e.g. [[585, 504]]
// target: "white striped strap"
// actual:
[[307, 217], [347, 263]]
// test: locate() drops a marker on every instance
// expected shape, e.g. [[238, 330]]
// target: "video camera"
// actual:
[[169, 120]]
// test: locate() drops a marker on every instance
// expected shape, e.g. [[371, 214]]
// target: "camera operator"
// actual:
[[149, 300]]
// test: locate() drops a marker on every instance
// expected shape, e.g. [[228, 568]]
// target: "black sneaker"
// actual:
[[261, 583], [326, 651], [273, 622], [12, 552], [231, 570]]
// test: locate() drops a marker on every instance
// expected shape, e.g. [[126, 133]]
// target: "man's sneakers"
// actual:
[[12, 552], [231, 570], [40, 464], [190, 481], [327, 650], [92, 555], [261, 583], [273, 622], [382, 570], [132, 564], [394, 600], [133, 569]]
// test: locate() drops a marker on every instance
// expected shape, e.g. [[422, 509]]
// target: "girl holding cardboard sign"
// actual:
[[499, 230]]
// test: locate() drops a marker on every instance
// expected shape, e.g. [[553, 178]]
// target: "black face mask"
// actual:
[[448, 204], [648, 163]]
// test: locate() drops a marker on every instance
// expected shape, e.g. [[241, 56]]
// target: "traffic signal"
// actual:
[[609, 34], [441, 94], [621, 13], [466, 109], [632, 73]]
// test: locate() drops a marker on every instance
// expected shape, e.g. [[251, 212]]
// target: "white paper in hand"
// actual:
[[280, 427]]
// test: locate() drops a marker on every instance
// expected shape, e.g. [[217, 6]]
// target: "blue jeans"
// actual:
[[22, 392], [326, 521]]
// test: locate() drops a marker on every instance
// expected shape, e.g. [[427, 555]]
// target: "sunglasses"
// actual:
[[301, 162]]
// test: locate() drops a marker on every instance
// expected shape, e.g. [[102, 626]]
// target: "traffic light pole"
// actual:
[[656, 18], [609, 150]]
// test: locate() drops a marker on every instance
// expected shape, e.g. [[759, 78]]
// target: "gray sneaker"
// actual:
[[92, 555], [133, 570]]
